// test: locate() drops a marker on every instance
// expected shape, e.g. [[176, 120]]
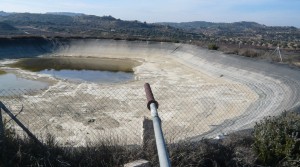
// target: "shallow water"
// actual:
[[90, 75], [11, 81]]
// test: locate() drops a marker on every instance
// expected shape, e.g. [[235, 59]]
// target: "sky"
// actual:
[[268, 12]]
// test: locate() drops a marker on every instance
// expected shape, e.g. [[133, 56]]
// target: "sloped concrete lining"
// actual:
[[172, 65]]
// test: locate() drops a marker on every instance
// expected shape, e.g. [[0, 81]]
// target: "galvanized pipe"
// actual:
[[164, 160]]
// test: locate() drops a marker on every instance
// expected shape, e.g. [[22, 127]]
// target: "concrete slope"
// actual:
[[276, 84], [169, 64]]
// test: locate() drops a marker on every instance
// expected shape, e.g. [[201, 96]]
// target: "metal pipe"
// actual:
[[164, 160], [159, 138]]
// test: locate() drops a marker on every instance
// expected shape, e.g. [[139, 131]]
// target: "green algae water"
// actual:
[[97, 70]]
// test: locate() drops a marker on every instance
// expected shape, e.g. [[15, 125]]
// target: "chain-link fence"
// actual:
[[77, 117]]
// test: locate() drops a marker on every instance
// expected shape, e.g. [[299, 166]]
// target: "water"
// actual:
[[90, 75], [11, 81]]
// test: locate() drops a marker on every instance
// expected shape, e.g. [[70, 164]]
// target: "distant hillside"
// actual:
[[66, 24], [3, 13], [204, 24], [6, 28], [237, 28], [243, 33], [75, 24]]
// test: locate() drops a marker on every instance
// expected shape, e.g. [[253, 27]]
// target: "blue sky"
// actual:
[[268, 12]]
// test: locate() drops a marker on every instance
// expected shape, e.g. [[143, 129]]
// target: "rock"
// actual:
[[138, 163], [91, 120]]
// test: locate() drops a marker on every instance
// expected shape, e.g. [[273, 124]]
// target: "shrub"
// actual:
[[277, 140], [213, 47], [2, 72], [249, 53], [202, 153]]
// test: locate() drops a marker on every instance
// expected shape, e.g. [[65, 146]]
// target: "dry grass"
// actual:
[[2, 72], [18, 151], [288, 56], [237, 149], [24, 152]]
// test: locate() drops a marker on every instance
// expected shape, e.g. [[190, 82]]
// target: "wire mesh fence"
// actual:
[[78, 117]]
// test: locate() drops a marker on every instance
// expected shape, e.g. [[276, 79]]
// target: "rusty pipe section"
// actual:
[[149, 96]]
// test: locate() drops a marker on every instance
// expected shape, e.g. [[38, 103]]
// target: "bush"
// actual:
[[213, 47], [202, 153], [277, 140], [249, 53], [2, 72]]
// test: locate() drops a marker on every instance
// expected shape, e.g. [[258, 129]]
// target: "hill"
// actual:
[[233, 35], [3, 13], [238, 29], [80, 25], [245, 33], [7, 29]]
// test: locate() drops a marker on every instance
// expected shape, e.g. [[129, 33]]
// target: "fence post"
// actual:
[[148, 136], [21, 125], [2, 139], [152, 105], [2, 135]]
